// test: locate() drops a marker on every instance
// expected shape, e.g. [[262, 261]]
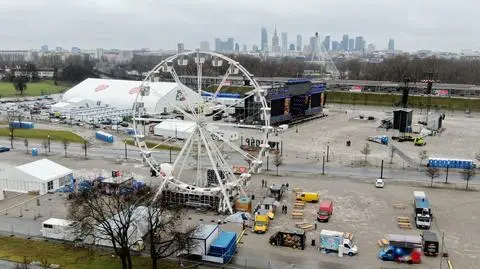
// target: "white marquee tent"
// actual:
[[121, 94], [42, 176]]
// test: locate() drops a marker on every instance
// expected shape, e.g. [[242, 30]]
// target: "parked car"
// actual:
[[4, 149], [124, 124], [379, 183], [325, 210]]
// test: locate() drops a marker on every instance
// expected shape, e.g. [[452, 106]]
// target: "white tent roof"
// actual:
[[44, 169], [122, 93], [178, 125], [9, 172]]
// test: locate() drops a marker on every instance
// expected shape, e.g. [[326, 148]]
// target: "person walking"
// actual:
[[263, 183], [286, 209], [287, 186]]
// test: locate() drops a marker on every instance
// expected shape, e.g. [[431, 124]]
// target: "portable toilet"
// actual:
[[34, 152]]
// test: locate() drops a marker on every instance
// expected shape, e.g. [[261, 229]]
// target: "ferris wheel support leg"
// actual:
[[217, 174]]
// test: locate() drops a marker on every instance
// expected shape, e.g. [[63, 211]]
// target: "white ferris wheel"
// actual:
[[201, 168]]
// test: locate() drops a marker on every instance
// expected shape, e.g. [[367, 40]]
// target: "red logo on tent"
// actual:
[[101, 87], [134, 90]]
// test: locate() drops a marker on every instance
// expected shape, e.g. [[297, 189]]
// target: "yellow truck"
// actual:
[[309, 197], [261, 222]]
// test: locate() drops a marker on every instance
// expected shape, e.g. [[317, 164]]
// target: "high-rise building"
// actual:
[[299, 43], [275, 44], [254, 48], [351, 44], [204, 46], [237, 47], [284, 42], [75, 50], [99, 53], [224, 46], [335, 46], [326, 43], [180, 47], [59, 49], [291, 47], [371, 47], [313, 44], [44, 48], [244, 48], [391, 44], [264, 40], [359, 43], [344, 43]]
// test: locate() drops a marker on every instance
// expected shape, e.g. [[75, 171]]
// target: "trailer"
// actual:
[[199, 243], [289, 238], [338, 242], [59, 229], [103, 136], [223, 248]]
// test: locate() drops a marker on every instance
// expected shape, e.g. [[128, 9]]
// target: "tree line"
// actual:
[[395, 69]]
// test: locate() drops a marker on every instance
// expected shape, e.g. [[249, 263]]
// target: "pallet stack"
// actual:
[[298, 205], [297, 214], [382, 242], [404, 223], [304, 226]]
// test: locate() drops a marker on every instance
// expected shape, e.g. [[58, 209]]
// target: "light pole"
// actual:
[[381, 171], [323, 164], [328, 150], [125, 143], [48, 137]]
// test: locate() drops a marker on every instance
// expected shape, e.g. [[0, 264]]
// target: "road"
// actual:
[[164, 156]]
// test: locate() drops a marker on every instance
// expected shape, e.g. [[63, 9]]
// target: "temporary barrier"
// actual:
[[105, 137]]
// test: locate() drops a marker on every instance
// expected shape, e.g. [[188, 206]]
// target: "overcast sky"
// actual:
[[441, 25]]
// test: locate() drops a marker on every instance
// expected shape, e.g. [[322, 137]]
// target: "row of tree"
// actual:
[[395, 69]]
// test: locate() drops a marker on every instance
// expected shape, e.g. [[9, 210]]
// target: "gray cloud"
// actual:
[[427, 24]]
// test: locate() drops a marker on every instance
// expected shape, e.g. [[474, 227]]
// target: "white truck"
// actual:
[[59, 229], [423, 211], [338, 242]]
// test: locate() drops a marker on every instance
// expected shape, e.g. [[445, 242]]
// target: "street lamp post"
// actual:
[[48, 137], [323, 164], [125, 143], [328, 150], [381, 171]]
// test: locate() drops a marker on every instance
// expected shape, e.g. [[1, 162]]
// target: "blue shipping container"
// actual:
[[224, 246]]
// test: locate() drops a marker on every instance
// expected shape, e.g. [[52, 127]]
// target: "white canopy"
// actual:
[[122, 93], [44, 170]]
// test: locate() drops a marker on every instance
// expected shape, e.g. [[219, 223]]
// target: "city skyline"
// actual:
[[111, 25]]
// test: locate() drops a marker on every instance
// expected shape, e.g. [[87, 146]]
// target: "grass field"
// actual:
[[153, 144], [43, 134], [17, 249], [448, 103], [43, 87]]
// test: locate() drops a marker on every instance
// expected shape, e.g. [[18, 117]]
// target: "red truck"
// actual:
[[325, 210]]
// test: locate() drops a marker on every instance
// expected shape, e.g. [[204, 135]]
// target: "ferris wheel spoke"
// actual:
[[184, 89], [222, 160], [188, 115], [217, 174], [224, 78], [189, 146], [232, 145]]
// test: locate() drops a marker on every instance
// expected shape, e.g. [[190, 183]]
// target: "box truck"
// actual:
[[338, 242], [430, 244], [423, 212]]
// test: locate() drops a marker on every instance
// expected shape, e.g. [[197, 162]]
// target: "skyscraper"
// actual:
[[344, 43], [351, 44], [244, 48], [284, 42], [44, 48], [326, 43], [264, 40], [359, 43], [299, 43], [391, 44], [275, 44], [204, 46], [224, 46], [237, 47], [180, 47], [335, 46]]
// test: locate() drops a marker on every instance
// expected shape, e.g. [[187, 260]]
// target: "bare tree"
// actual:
[[366, 151], [422, 156], [25, 264], [65, 143], [25, 142], [45, 146], [112, 219], [432, 173], [167, 233], [468, 174], [85, 146], [277, 160], [11, 117]]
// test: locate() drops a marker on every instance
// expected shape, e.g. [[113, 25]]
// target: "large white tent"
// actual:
[[39, 176], [121, 94]]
